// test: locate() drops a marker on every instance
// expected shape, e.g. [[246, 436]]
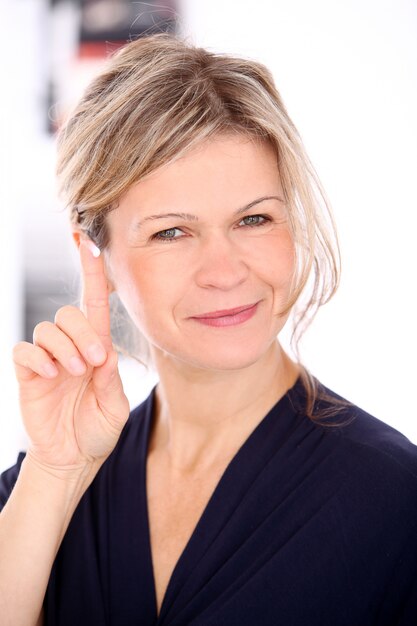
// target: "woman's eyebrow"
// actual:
[[194, 218]]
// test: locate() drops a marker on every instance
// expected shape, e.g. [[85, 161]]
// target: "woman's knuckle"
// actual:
[[84, 334], [64, 313], [97, 303], [19, 350], [40, 329]]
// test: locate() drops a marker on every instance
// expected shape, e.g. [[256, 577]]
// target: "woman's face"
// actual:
[[206, 233]]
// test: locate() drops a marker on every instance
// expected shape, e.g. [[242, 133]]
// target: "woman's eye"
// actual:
[[166, 235], [253, 220]]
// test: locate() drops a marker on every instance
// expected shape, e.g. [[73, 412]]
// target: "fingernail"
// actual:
[[94, 250], [50, 370], [96, 353], [92, 247], [76, 365]]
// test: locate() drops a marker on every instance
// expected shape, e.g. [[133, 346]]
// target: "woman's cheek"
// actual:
[[271, 255], [145, 280]]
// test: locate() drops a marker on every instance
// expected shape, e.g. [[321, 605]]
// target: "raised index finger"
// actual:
[[95, 294]]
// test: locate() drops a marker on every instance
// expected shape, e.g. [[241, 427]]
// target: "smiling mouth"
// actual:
[[224, 312], [228, 318]]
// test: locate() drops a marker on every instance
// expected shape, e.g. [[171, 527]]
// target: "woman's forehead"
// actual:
[[232, 164]]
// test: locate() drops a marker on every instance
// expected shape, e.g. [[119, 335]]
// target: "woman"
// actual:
[[241, 491]]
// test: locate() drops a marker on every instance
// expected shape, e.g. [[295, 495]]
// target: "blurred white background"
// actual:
[[347, 72]]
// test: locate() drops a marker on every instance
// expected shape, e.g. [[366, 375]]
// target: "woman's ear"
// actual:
[[77, 236]]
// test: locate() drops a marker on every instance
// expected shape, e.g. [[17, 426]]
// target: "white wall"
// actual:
[[16, 132], [348, 74]]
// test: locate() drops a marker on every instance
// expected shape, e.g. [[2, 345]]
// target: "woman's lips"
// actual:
[[228, 317]]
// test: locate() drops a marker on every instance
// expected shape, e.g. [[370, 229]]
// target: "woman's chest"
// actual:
[[174, 511]]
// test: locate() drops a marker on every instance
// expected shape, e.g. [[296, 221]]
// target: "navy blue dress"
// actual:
[[309, 525]]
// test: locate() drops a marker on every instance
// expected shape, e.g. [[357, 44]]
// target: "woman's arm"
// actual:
[[74, 409], [32, 526]]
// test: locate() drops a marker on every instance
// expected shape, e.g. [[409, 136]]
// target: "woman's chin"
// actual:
[[224, 358]]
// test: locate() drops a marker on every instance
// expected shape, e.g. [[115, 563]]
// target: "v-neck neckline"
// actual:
[[189, 555]]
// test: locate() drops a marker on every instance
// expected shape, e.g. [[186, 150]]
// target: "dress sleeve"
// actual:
[[8, 480]]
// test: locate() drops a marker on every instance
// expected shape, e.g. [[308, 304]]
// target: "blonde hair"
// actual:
[[158, 97]]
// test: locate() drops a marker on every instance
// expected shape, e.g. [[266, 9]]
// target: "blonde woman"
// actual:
[[241, 491]]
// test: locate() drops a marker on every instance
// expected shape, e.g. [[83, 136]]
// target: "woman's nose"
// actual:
[[220, 263]]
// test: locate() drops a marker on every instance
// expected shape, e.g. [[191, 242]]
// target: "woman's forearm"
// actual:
[[32, 526]]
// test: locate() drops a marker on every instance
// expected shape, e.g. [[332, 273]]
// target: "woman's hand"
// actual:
[[71, 395]]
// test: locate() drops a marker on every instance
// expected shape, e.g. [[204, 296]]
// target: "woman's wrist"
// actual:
[[68, 482], [69, 472]]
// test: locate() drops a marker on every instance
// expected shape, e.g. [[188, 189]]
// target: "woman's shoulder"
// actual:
[[368, 440]]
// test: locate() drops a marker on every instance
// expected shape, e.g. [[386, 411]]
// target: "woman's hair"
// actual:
[[158, 97]]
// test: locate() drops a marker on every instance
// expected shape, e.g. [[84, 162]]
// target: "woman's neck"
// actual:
[[202, 416]]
